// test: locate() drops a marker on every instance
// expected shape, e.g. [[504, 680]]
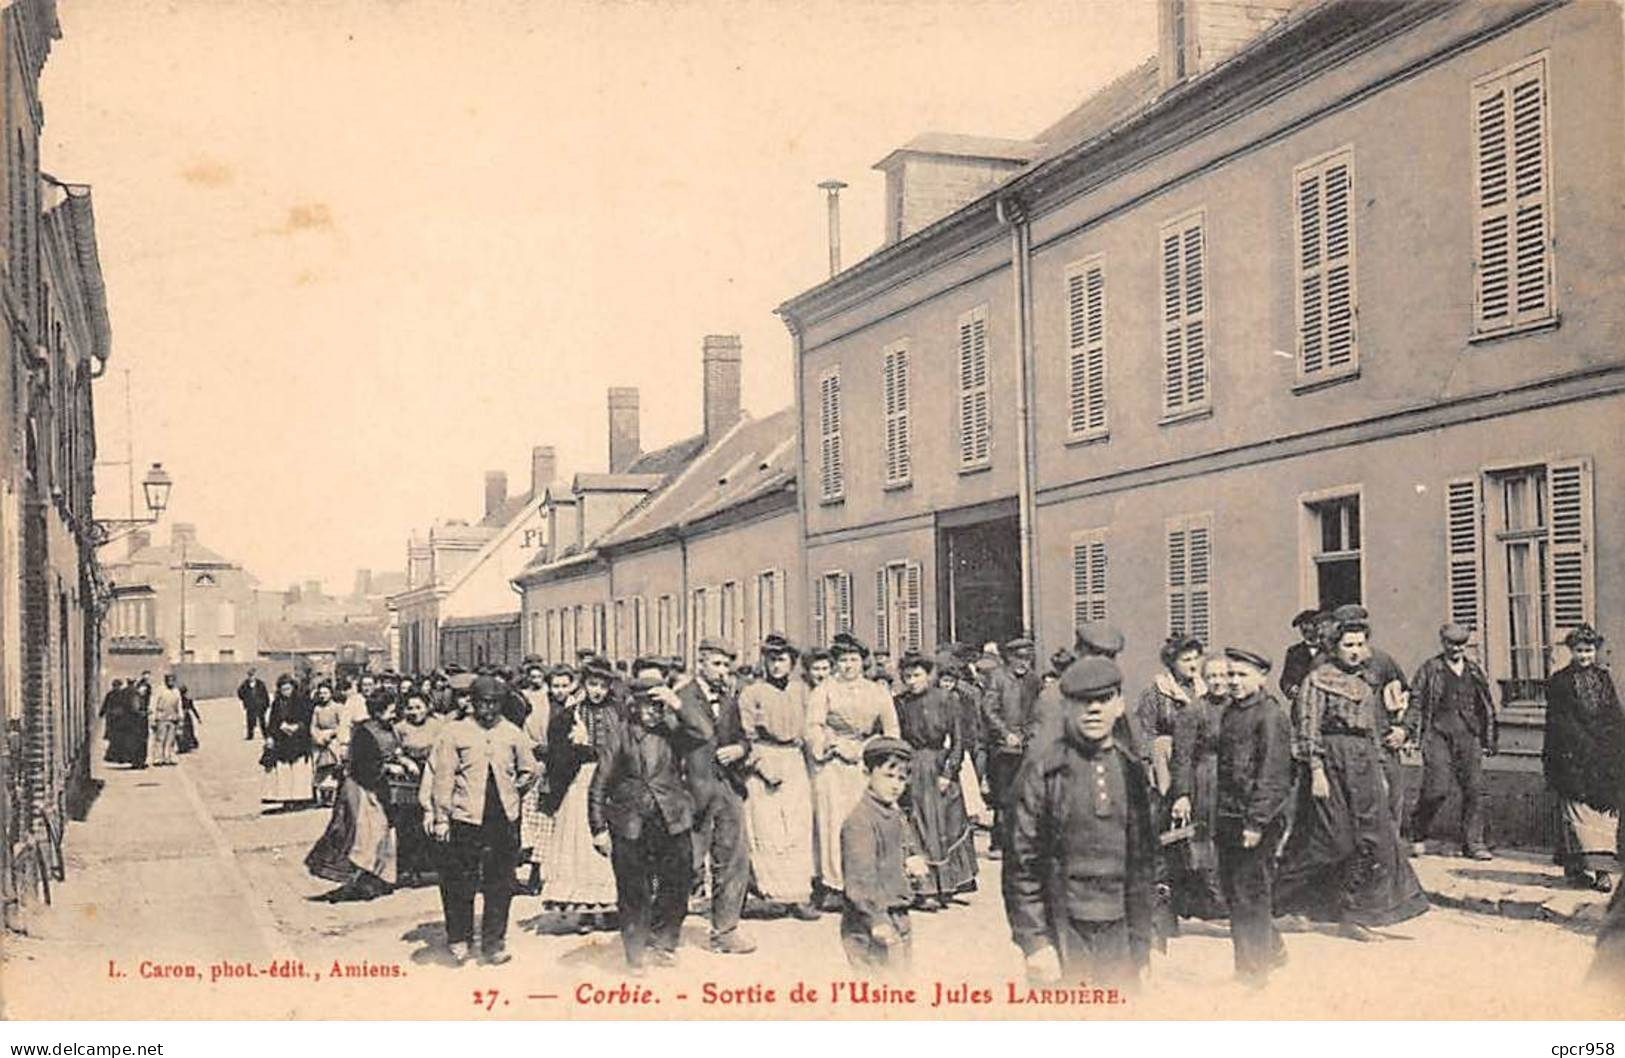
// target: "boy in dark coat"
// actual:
[[1255, 782], [1078, 878], [641, 815], [879, 851]]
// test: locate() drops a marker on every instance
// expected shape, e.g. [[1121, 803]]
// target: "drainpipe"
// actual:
[[1011, 213], [685, 615]]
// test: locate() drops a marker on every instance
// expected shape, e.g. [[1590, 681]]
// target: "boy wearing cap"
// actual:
[[1255, 783], [641, 814], [879, 853], [1455, 715], [1081, 864]]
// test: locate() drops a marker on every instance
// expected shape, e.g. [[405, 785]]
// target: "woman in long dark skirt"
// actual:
[[928, 720], [417, 730], [1194, 795], [358, 848], [186, 741], [289, 781], [1584, 758]]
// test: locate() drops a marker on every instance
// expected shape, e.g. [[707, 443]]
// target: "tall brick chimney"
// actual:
[[722, 365], [544, 465], [496, 491], [182, 532], [624, 443]]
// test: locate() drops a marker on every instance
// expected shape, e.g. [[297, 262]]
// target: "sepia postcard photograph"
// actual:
[[813, 510]]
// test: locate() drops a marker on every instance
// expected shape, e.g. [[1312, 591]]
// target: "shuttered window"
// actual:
[[1086, 348], [1571, 553], [640, 626], [899, 626], [1088, 577], [832, 606], [975, 391], [831, 466], [895, 401], [770, 602], [1512, 191], [1324, 193], [1464, 552], [1185, 369], [882, 624], [1190, 576]]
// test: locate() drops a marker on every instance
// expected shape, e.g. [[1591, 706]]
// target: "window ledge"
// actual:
[[980, 468], [1188, 415], [898, 486], [831, 501], [1083, 439], [1520, 331], [1324, 381]]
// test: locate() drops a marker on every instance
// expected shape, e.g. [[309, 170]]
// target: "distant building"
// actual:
[[315, 646], [179, 603], [712, 546]]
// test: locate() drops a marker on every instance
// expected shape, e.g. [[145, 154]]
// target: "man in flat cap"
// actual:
[[1008, 717], [1300, 656], [1081, 864], [480, 768], [1455, 713], [1255, 785], [880, 852], [715, 769]]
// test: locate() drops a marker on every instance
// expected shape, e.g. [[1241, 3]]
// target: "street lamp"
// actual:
[[155, 488]]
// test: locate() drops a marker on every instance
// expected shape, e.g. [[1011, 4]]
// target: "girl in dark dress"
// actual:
[[1584, 758], [929, 721], [358, 848]]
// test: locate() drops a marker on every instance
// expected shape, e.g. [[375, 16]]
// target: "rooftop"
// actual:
[[959, 145]]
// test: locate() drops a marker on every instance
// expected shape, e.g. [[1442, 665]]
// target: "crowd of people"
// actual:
[[630, 794], [144, 724]]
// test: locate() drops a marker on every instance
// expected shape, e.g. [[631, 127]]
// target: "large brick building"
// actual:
[[1317, 305], [53, 310]]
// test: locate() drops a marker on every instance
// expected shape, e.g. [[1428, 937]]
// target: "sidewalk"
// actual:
[[1516, 884], [148, 871]]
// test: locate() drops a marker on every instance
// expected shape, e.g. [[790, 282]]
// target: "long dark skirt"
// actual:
[[1343, 862], [186, 740], [1194, 863], [127, 741], [358, 845], [944, 828]]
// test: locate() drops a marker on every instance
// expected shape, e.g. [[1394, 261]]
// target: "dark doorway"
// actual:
[[982, 565]]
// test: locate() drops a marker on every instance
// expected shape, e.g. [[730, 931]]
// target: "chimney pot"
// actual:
[[543, 468], [721, 365], [625, 444], [496, 491]]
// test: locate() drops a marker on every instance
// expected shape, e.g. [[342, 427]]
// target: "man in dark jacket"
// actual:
[[713, 766], [256, 701], [641, 814], [1009, 717], [1255, 783], [1455, 716], [1300, 656], [1079, 872]]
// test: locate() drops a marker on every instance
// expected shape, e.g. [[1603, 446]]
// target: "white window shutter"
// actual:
[[1326, 293], [1173, 328], [1196, 366], [1077, 355], [843, 602], [1088, 577], [832, 469], [1086, 348], [820, 588], [1311, 277], [1177, 615], [912, 578], [1571, 555], [1199, 573], [895, 408], [974, 410], [1340, 311], [781, 589], [1511, 186], [1463, 551], [882, 639]]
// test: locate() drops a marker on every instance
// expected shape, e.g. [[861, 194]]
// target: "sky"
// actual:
[[359, 253]]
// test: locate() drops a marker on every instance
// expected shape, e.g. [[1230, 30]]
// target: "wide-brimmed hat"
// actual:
[[1583, 633], [847, 643], [778, 643]]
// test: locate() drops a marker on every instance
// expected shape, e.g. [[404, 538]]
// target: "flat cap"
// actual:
[[1350, 613], [1248, 657], [1454, 633], [1018, 644], [1099, 637], [645, 684], [877, 751], [488, 687], [1090, 677], [461, 681], [1305, 617], [598, 668], [652, 661], [718, 645]]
